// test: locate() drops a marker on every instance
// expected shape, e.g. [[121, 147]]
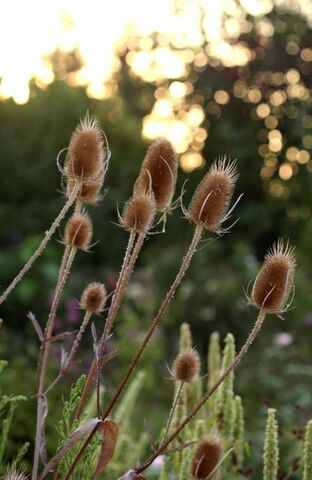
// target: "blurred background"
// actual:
[[225, 77]]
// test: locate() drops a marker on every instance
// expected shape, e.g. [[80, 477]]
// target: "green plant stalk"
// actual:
[[47, 237], [161, 312], [254, 332], [307, 452], [44, 356], [271, 451]]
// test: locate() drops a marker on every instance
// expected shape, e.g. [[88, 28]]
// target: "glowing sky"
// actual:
[[32, 30]]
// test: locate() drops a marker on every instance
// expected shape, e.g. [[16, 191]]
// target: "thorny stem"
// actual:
[[47, 237], [254, 332], [173, 408], [125, 273], [161, 312], [44, 356], [72, 352]]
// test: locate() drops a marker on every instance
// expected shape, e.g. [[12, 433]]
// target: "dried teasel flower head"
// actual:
[[85, 155], [159, 172], [275, 281], [13, 474], [89, 191], [93, 298], [139, 212], [206, 457], [186, 365], [78, 231], [210, 203]]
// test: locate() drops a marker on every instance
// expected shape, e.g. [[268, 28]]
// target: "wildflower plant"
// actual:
[[203, 434]]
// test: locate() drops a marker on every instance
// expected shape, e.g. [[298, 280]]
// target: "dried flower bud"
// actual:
[[93, 298], [86, 151], [186, 365], [274, 282], [206, 457], [78, 231], [139, 212], [211, 200], [159, 172], [89, 191]]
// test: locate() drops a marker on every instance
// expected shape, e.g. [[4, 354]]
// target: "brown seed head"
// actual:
[[78, 231], [89, 191], [85, 152], [274, 282], [139, 212], [159, 172], [186, 365], [211, 200], [206, 457], [93, 298]]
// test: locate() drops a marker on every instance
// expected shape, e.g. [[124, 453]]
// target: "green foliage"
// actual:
[[238, 432], [66, 426], [8, 407], [226, 408], [271, 449], [307, 452]]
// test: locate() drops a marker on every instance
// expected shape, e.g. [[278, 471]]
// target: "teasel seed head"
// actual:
[[210, 203], [13, 474], [275, 280], [139, 212], [78, 231], [159, 173], [85, 156], [89, 192], [186, 365], [93, 298], [206, 457]]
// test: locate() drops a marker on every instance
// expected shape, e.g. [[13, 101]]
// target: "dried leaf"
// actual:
[[43, 407], [36, 325], [110, 431], [61, 336], [75, 437]]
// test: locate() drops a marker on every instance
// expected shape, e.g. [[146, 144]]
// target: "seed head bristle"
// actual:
[[159, 172], [206, 457], [93, 298], [13, 474], [86, 151], [89, 192], [211, 200], [139, 212], [274, 281], [78, 231], [186, 365]]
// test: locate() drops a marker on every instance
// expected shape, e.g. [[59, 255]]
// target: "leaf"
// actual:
[[74, 438], [43, 407], [110, 432], [36, 325], [61, 336]]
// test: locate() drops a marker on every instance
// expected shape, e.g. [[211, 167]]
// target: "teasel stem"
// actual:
[[161, 312], [254, 332], [173, 408], [43, 243], [44, 354], [130, 258], [72, 352]]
